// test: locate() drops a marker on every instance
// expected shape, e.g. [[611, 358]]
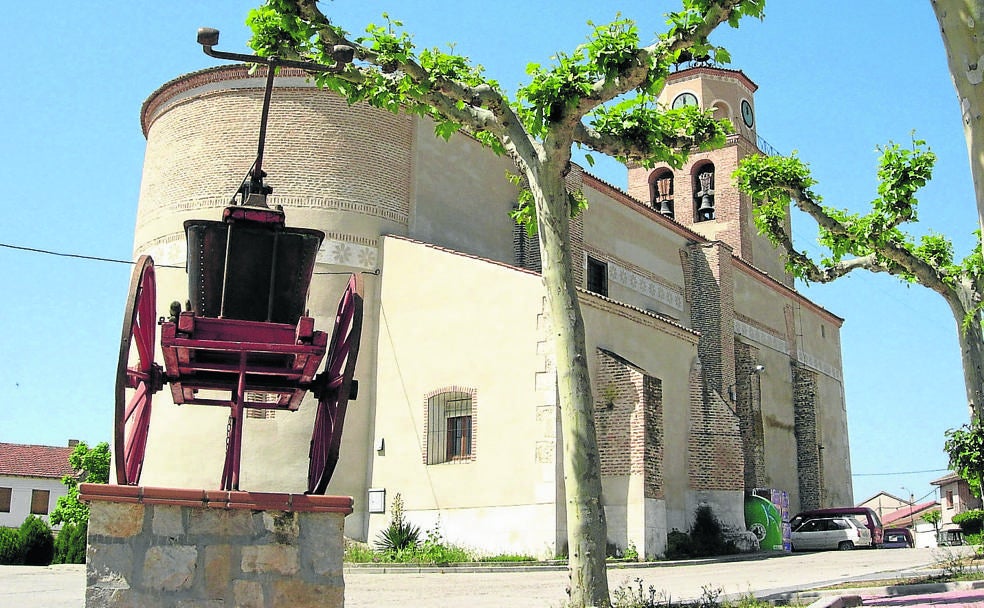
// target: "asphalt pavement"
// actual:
[[784, 576]]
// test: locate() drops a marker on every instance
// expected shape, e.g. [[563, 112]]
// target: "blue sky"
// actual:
[[836, 79]]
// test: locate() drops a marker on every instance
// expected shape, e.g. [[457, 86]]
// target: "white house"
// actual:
[[30, 480]]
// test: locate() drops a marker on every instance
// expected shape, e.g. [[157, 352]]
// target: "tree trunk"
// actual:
[[971, 339], [962, 27], [587, 532]]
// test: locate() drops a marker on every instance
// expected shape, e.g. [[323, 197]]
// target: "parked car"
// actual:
[[840, 532], [863, 514], [898, 538], [950, 538]]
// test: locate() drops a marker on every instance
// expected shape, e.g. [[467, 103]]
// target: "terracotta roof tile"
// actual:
[[908, 512], [34, 460]]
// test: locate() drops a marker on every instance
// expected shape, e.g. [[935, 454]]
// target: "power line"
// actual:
[[66, 255], [94, 258], [899, 473]]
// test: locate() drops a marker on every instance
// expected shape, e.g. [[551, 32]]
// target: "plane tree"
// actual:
[[962, 29], [875, 240], [600, 96]]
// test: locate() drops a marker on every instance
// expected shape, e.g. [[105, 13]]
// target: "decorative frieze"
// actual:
[[645, 285]]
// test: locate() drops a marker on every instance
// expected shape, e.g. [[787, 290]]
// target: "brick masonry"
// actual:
[[629, 422], [157, 547], [805, 431], [716, 454], [748, 404]]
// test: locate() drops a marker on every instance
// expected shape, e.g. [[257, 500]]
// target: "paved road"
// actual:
[[64, 586]]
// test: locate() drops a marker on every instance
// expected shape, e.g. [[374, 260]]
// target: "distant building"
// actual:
[[712, 374], [883, 503], [30, 480], [955, 497], [909, 516]]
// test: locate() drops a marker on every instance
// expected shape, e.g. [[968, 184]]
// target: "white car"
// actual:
[[842, 533]]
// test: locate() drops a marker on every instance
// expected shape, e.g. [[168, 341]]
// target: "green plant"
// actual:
[[39, 542], [507, 557], [950, 563], [637, 595], [358, 553], [436, 550], [11, 546], [90, 466], [678, 545], [400, 534], [70, 544], [971, 522]]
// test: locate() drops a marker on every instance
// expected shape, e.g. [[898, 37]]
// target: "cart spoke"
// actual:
[[137, 342]]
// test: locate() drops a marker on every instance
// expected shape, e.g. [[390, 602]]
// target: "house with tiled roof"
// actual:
[[883, 503], [30, 480], [909, 516], [955, 497]]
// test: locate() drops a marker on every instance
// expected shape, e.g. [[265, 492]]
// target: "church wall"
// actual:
[[461, 199], [429, 339], [436, 320], [643, 257], [664, 351]]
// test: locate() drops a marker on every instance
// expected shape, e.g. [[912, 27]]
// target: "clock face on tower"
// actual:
[[746, 113], [684, 99]]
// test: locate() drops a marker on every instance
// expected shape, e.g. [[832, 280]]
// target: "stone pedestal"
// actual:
[[164, 547]]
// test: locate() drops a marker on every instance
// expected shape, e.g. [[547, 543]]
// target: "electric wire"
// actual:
[[94, 258]]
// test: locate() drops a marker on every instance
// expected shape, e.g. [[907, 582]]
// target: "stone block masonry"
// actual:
[[166, 547]]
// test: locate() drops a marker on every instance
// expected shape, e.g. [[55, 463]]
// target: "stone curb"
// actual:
[[540, 566], [828, 599]]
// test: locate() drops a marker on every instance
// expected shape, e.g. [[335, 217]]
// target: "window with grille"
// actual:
[[450, 427], [5, 500], [597, 277], [39, 502]]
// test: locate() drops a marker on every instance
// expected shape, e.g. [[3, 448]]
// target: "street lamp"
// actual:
[[912, 524]]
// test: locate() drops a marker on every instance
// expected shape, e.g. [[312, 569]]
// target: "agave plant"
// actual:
[[400, 534]]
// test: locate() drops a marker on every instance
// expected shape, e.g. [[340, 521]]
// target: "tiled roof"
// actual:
[[34, 460], [948, 478], [905, 513]]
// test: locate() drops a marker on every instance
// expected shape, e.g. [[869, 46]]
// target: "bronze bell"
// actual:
[[706, 209], [665, 208]]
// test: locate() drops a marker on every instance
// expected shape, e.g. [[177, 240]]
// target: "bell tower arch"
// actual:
[[701, 195]]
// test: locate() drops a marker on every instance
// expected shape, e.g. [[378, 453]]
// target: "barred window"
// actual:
[[450, 428], [597, 279], [39, 502]]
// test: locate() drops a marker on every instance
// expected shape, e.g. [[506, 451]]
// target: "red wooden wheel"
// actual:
[[137, 371], [334, 387]]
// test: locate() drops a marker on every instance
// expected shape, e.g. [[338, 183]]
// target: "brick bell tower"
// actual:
[[702, 195]]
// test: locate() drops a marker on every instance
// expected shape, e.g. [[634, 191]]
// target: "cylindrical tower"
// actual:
[[345, 170]]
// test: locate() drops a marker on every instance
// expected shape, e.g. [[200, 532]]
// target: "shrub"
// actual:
[[400, 534], [11, 546], [678, 545], [39, 542], [971, 522], [70, 545]]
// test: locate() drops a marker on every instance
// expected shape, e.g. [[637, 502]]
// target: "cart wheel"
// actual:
[[334, 387], [141, 374]]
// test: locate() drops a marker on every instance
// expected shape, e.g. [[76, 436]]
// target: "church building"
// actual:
[[712, 374]]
